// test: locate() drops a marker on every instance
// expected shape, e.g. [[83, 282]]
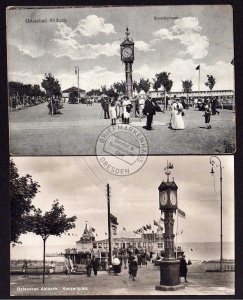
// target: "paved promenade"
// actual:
[[106, 284], [76, 130]]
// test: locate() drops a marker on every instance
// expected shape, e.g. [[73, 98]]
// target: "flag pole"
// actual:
[[109, 222], [176, 231], [199, 78]]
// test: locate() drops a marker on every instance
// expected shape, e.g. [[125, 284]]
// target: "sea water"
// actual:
[[208, 251], [201, 251]]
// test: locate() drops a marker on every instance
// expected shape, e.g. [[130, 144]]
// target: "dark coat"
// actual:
[[133, 267], [183, 267], [149, 107]]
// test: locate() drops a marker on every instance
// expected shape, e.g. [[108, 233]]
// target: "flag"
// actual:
[[105, 233], [155, 223], [124, 228], [93, 230], [170, 166], [191, 250], [144, 227], [135, 232], [232, 62], [148, 226], [113, 219], [198, 67], [182, 232], [96, 234], [181, 213]]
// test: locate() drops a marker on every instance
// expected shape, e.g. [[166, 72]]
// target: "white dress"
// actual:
[[113, 112], [125, 113], [177, 120]]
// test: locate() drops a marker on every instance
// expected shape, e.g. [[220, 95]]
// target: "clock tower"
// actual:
[[169, 266], [127, 56]]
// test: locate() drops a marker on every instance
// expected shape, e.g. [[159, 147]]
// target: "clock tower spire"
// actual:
[[127, 56]]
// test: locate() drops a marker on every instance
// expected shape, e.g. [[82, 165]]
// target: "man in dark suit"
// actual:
[[149, 111]]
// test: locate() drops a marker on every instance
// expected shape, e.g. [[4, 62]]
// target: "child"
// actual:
[[113, 113], [207, 114]]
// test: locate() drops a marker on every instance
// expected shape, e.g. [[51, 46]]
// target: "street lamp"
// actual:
[[212, 162]]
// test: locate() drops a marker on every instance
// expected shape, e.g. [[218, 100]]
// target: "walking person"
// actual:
[[88, 266], [105, 106], [95, 265], [213, 107], [133, 266], [177, 116], [116, 265], [68, 266], [149, 111], [124, 258], [127, 108], [183, 268], [141, 107], [207, 115]]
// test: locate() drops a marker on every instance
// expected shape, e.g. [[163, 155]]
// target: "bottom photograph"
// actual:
[[77, 229]]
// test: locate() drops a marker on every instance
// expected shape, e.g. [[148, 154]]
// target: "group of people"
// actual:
[[117, 108], [117, 263], [18, 102]]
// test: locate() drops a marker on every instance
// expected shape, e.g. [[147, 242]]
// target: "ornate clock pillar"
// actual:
[[169, 266], [127, 56]]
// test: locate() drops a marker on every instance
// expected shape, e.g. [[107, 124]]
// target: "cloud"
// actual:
[[75, 51], [66, 44], [142, 46], [164, 34], [188, 24], [92, 25], [186, 31]]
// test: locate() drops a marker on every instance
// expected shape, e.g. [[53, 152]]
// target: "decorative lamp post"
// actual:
[[169, 266], [127, 56], [212, 162]]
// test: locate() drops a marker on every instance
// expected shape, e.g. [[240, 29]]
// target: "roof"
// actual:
[[73, 89], [165, 184]]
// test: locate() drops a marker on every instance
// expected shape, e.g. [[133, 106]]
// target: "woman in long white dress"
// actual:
[[177, 121]]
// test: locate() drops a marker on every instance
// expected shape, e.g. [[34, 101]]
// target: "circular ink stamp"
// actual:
[[121, 149]]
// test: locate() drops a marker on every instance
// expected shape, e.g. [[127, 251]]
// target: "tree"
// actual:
[[144, 84], [120, 87], [53, 222], [163, 79], [210, 83], [187, 87], [156, 85], [22, 191], [136, 87], [51, 85]]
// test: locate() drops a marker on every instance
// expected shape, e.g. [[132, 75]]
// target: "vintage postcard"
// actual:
[[80, 75], [165, 230]]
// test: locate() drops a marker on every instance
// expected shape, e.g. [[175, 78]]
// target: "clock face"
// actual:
[[163, 198], [127, 52], [173, 198]]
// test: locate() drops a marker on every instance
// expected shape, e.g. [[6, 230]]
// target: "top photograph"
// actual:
[[121, 81]]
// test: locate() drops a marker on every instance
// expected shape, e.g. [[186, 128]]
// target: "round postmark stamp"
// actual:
[[121, 149]]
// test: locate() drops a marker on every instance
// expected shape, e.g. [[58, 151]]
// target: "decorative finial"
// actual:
[[167, 172], [127, 33]]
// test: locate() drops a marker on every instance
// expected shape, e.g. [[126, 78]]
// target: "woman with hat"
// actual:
[[183, 267], [176, 115], [127, 107]]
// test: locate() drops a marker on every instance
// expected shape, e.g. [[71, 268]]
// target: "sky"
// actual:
[[174, 39], [79, 183]]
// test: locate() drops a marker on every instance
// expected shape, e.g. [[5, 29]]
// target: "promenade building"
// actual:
[[123, 241]]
